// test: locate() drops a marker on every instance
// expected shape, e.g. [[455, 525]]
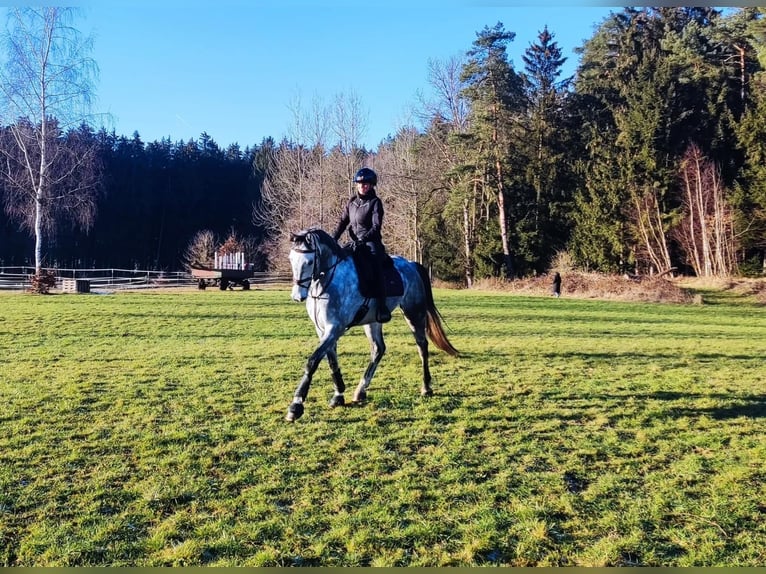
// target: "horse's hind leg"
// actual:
[[417, 323], [337, 399], [374, 332]]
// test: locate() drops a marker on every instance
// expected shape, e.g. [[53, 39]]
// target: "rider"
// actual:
[[364, 214]]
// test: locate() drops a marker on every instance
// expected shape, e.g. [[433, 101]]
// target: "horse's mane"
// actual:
[[301, 238]]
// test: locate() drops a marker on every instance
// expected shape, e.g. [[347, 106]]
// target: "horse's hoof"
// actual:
[[337, 401], [426, 392], [294, 412], [360, 397]]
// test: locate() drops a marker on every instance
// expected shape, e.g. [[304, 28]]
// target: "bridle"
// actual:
[[317, 274], [306, 281]]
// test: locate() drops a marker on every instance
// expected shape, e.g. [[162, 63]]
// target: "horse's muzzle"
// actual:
[[299, 293]]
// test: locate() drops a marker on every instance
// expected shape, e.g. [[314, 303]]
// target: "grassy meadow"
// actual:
[[147, 429]]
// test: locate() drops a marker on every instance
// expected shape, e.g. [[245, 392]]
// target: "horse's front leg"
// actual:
[[374, 332], [295, 410], [337, 399]]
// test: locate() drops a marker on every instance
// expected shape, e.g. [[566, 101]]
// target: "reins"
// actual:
[[317, 274], [324, 275]]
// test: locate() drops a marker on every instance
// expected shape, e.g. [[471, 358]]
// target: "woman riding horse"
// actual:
[[327, 280], [363, 215]]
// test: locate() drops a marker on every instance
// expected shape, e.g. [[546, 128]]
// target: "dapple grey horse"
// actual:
[[325, 276]]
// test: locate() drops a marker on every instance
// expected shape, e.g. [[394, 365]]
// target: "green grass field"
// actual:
[[147, 429]]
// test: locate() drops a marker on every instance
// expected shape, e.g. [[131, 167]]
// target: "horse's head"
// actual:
[[313, 251]]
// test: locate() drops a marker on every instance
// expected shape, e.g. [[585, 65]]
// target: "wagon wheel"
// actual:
[[224, 284]]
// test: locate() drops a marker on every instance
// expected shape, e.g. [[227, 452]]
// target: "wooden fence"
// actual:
[[18, 278]]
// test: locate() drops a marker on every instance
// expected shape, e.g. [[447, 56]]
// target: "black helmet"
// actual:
[[366, 175]]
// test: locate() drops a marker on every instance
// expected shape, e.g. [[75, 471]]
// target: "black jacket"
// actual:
[[364, 218]]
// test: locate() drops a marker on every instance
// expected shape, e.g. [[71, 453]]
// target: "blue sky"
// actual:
[[233, 68]]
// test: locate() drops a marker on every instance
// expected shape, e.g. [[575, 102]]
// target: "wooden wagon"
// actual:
[[226, 272]]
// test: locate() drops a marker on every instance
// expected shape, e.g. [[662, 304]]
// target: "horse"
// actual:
[[326, 278]]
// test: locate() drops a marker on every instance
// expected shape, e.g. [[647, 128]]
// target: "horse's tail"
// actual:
[[434, 326]]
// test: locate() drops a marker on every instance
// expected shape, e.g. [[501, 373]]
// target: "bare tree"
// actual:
[[49, 165], [200, 251], [448, 103], [410, 182], [289, 196], [706, 231], [309, 178], [349, 124], [448, 116], [282, 201], [651, 230]]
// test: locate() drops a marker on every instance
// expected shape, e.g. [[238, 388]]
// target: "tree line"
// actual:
[[150, 202], [650, 159]]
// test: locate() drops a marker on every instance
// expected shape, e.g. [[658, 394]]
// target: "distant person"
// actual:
[[363, 216], [556, 285]]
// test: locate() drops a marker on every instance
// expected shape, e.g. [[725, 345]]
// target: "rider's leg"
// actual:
[[378, 253]]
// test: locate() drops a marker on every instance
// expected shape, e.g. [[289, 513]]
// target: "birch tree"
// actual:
[[46, 87], [706, 231]]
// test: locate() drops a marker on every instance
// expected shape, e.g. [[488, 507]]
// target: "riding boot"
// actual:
[[377, 252], [384, 314]]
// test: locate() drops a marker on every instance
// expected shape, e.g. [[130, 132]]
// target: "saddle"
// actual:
[[393, 286]]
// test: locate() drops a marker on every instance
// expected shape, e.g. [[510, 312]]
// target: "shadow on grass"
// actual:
[[632, 355], [750, 406]]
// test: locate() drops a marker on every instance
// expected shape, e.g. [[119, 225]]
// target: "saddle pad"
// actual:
[[392, 281]]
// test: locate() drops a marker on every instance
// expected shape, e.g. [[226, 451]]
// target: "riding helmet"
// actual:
[[366, 175]]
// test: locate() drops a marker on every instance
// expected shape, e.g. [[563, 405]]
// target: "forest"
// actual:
[[650, 159]]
